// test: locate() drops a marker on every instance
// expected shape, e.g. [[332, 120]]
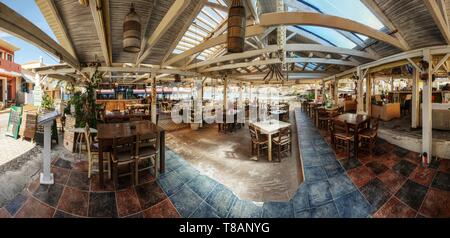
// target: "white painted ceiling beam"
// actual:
[[97, 10], [439, 19], [13, 23], [175, 10]]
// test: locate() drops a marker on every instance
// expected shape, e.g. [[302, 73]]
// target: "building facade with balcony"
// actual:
[[10, 75]]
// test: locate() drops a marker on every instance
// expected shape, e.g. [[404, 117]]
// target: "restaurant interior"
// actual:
[[242, 109]]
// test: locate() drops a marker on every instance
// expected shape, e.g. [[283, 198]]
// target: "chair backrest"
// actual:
[[253, 132], [376, 123], [284, 132], [341, 110], [322, 112], [146, 140], [339, 127], [124, 144]]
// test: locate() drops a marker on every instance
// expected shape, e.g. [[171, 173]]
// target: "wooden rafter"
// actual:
[[98, 9], [376, 10], [175, 10], [439, 19], [15, 24]]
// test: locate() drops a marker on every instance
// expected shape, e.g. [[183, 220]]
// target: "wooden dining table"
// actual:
[[270, 128], [107, 132], [354, 121]]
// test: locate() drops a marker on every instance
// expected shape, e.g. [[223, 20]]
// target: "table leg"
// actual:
[[356, 145], [162, 149], [100, 163], [270, 148]]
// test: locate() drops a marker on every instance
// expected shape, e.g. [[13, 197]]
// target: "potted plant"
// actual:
[[47, 104]]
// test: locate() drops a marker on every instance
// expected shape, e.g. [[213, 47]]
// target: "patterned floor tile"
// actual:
[[405, 168], [315, 173], [202, 185], [353, 205], [14, 205], [221, 199], [395, 209], [205, 211], [436, 204], [328, 210], [186, 201], [412, 194], [164, 209], [127, 202], [49, 194], [376, 193], [350, 164], [377, 167], [74, 201], [79, 180], [319, 193], [35, 209], [393, 180], [444, 166], [149, 194], [422, 175], [62, 163], [361, 175], [4, 213], [442, 181], [102, 205], [341, 185], [278, 210], [60, 175]]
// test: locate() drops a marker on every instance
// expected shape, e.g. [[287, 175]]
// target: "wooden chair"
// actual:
[[323, 118], [341, 137], [123, 154], [283, 142], [146, 150], [368, 136], [93, 154], [259, 142]]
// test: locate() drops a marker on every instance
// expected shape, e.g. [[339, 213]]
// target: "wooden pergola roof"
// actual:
[[92, 32]]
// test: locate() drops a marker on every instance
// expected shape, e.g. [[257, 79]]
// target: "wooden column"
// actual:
[[369, 94], [336, 90], [5, 90], [359, 95], [154, 99], [415, 112], [427, 132], [225, 94]]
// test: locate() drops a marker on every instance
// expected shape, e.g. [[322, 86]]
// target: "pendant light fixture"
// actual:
[[237, 22], [132, 32]]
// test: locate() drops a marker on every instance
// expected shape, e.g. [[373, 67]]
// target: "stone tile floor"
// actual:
[[388, 184]]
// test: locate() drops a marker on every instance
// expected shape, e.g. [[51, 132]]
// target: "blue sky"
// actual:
[[28, 52]]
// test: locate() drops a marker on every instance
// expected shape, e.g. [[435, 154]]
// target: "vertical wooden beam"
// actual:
[[369, 94], [415, 112], [336, 90], [359, 95], [154, 99], [427, 110], [225, 94]]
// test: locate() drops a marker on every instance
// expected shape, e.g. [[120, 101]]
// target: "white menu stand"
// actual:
[[47, 121]]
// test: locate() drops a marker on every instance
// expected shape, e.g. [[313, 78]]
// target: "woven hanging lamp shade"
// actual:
[[237, 21], [132, 32]]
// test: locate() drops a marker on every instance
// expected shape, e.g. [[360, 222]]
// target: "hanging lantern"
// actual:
[[132, 32], [237, 22], [177, 78]]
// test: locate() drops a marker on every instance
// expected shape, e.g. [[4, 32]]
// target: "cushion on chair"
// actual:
[[369, 133]]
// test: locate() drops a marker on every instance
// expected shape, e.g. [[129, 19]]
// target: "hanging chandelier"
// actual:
[[132, 32]]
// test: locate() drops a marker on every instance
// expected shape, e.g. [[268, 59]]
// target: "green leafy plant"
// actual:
[[47, 102]]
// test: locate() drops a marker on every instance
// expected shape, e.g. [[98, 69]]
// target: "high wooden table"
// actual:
[[107, 132], [270, 128], [354, 121]]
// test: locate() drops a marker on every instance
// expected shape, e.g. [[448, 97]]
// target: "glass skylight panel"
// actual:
[[332, 36], [341, 8], [206, 22]]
